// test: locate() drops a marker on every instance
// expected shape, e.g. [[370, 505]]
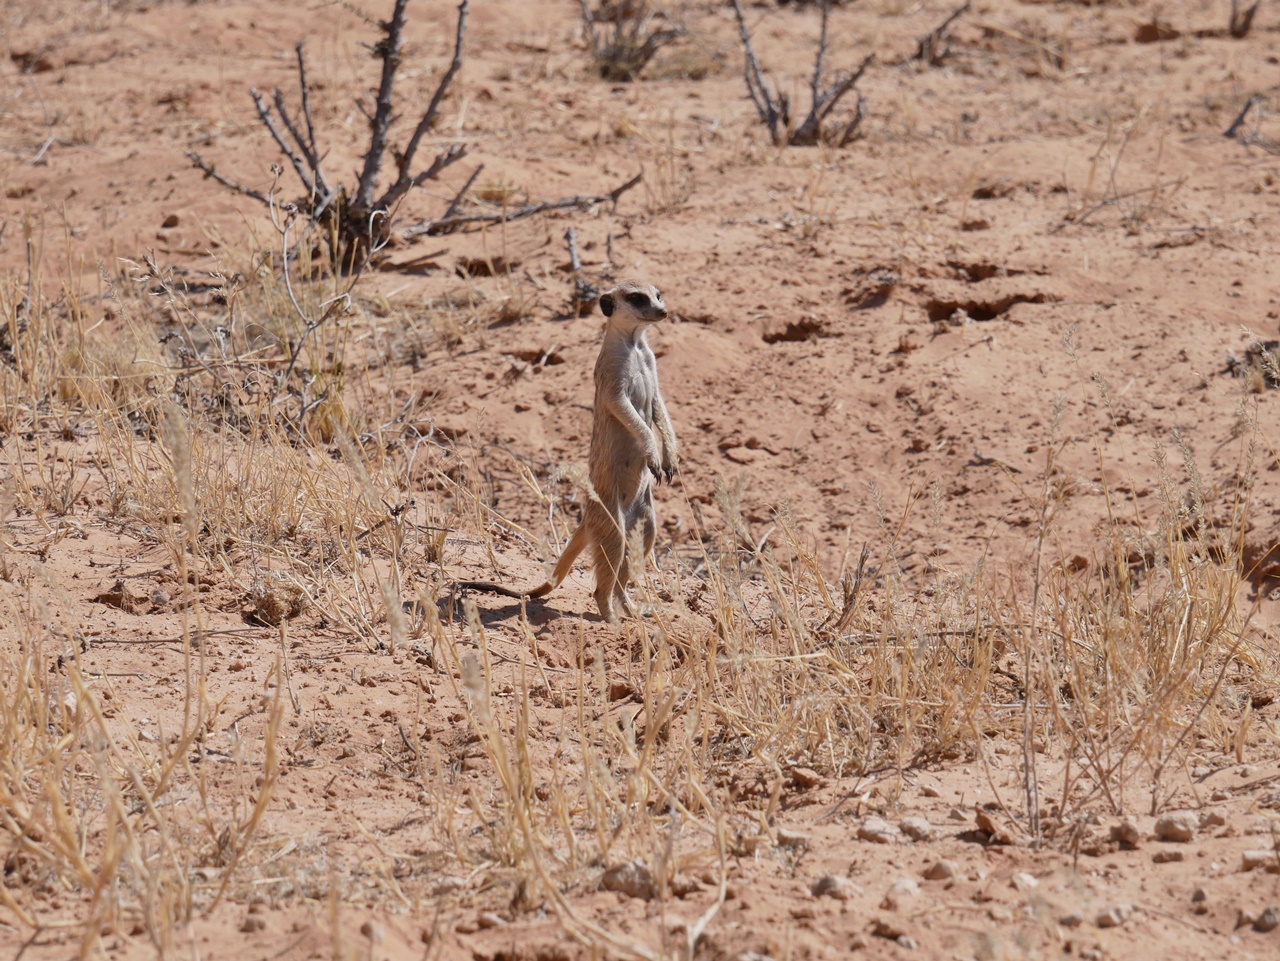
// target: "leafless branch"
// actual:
[[405, 180], [1234, 130], [1241, 19], [775, 109], [585, 294], [264, 114], [933, 47], [211, 171], [456, 221]]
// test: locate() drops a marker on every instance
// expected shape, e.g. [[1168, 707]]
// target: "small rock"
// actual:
[[489, 919], [902, 891], [630, 878], [877, 830], [170, 221], [1126, 832], [1072, 920], [887, 928], [916, 828], [373, 931], [805, 777], [958, 814], [1165, 857], [908, 942], [1022, 881], [999, 914], [858, 942], [788, 838], [1200, 901], [252, 923], [1113, 916], [942, 870], [927, 791], [1212, 819], [682, 885], [834, 886], [1177, 826], [1268, 920], [1221, 794], [1259, 857]]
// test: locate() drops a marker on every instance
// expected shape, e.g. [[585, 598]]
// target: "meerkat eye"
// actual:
[[638, 300], [657, 294]]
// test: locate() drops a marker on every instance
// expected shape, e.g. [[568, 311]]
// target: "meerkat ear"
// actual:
[[607, 304]]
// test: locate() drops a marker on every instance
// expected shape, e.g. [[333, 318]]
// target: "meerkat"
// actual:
[[633, 446]]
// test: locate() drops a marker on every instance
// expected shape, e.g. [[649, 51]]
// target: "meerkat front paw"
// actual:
[[670, 463], [653, 460]]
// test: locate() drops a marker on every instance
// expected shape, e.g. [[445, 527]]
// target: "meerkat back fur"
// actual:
[[633, 446]]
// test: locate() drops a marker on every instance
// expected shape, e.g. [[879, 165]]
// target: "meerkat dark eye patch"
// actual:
[[638, 300], [607, 305]]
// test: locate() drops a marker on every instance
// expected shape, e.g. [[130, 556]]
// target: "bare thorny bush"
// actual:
[[774, 105], [356, 223], [624, 35]]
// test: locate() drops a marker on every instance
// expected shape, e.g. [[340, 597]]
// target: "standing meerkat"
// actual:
[[632, 447]]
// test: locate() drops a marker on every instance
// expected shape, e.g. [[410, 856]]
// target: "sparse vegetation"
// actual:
[[624, 35], [774, 106], [238, 700]]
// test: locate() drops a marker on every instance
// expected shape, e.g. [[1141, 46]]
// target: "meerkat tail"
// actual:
[[576, 545]]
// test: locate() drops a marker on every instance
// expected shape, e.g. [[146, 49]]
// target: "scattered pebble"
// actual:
[[901, 891], [1000, 914], [905, 941], [252, 923], [1257, 858], [834, 886], [958, 814], [630, 878], [1072, 920], [877, 830], [489, 919], [1113, 916], [1177, 826], [942, 870], [927, 791], [788, 838], [373, 931], [1126, 832], [1268, 920], [916, 828], [1200, 901], [1022, 881], [1164, 857], [1212, 819], [1221, 794], [805, 777], [682, 885], [170, 222], [888, 928]]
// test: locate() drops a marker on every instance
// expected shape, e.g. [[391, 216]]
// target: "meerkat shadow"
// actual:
[[538, 614]]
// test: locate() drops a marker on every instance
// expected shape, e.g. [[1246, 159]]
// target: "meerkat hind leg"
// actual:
[[610, 557]]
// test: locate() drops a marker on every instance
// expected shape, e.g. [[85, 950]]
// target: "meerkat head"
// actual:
[[633, 304]]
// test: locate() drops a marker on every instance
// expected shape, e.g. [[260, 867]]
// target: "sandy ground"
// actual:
[[1041, 253]]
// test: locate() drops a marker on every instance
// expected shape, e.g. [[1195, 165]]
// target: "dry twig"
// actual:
[[774, 107], [933, 47]]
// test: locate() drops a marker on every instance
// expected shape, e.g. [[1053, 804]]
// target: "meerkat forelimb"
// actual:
[[633, 446]]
